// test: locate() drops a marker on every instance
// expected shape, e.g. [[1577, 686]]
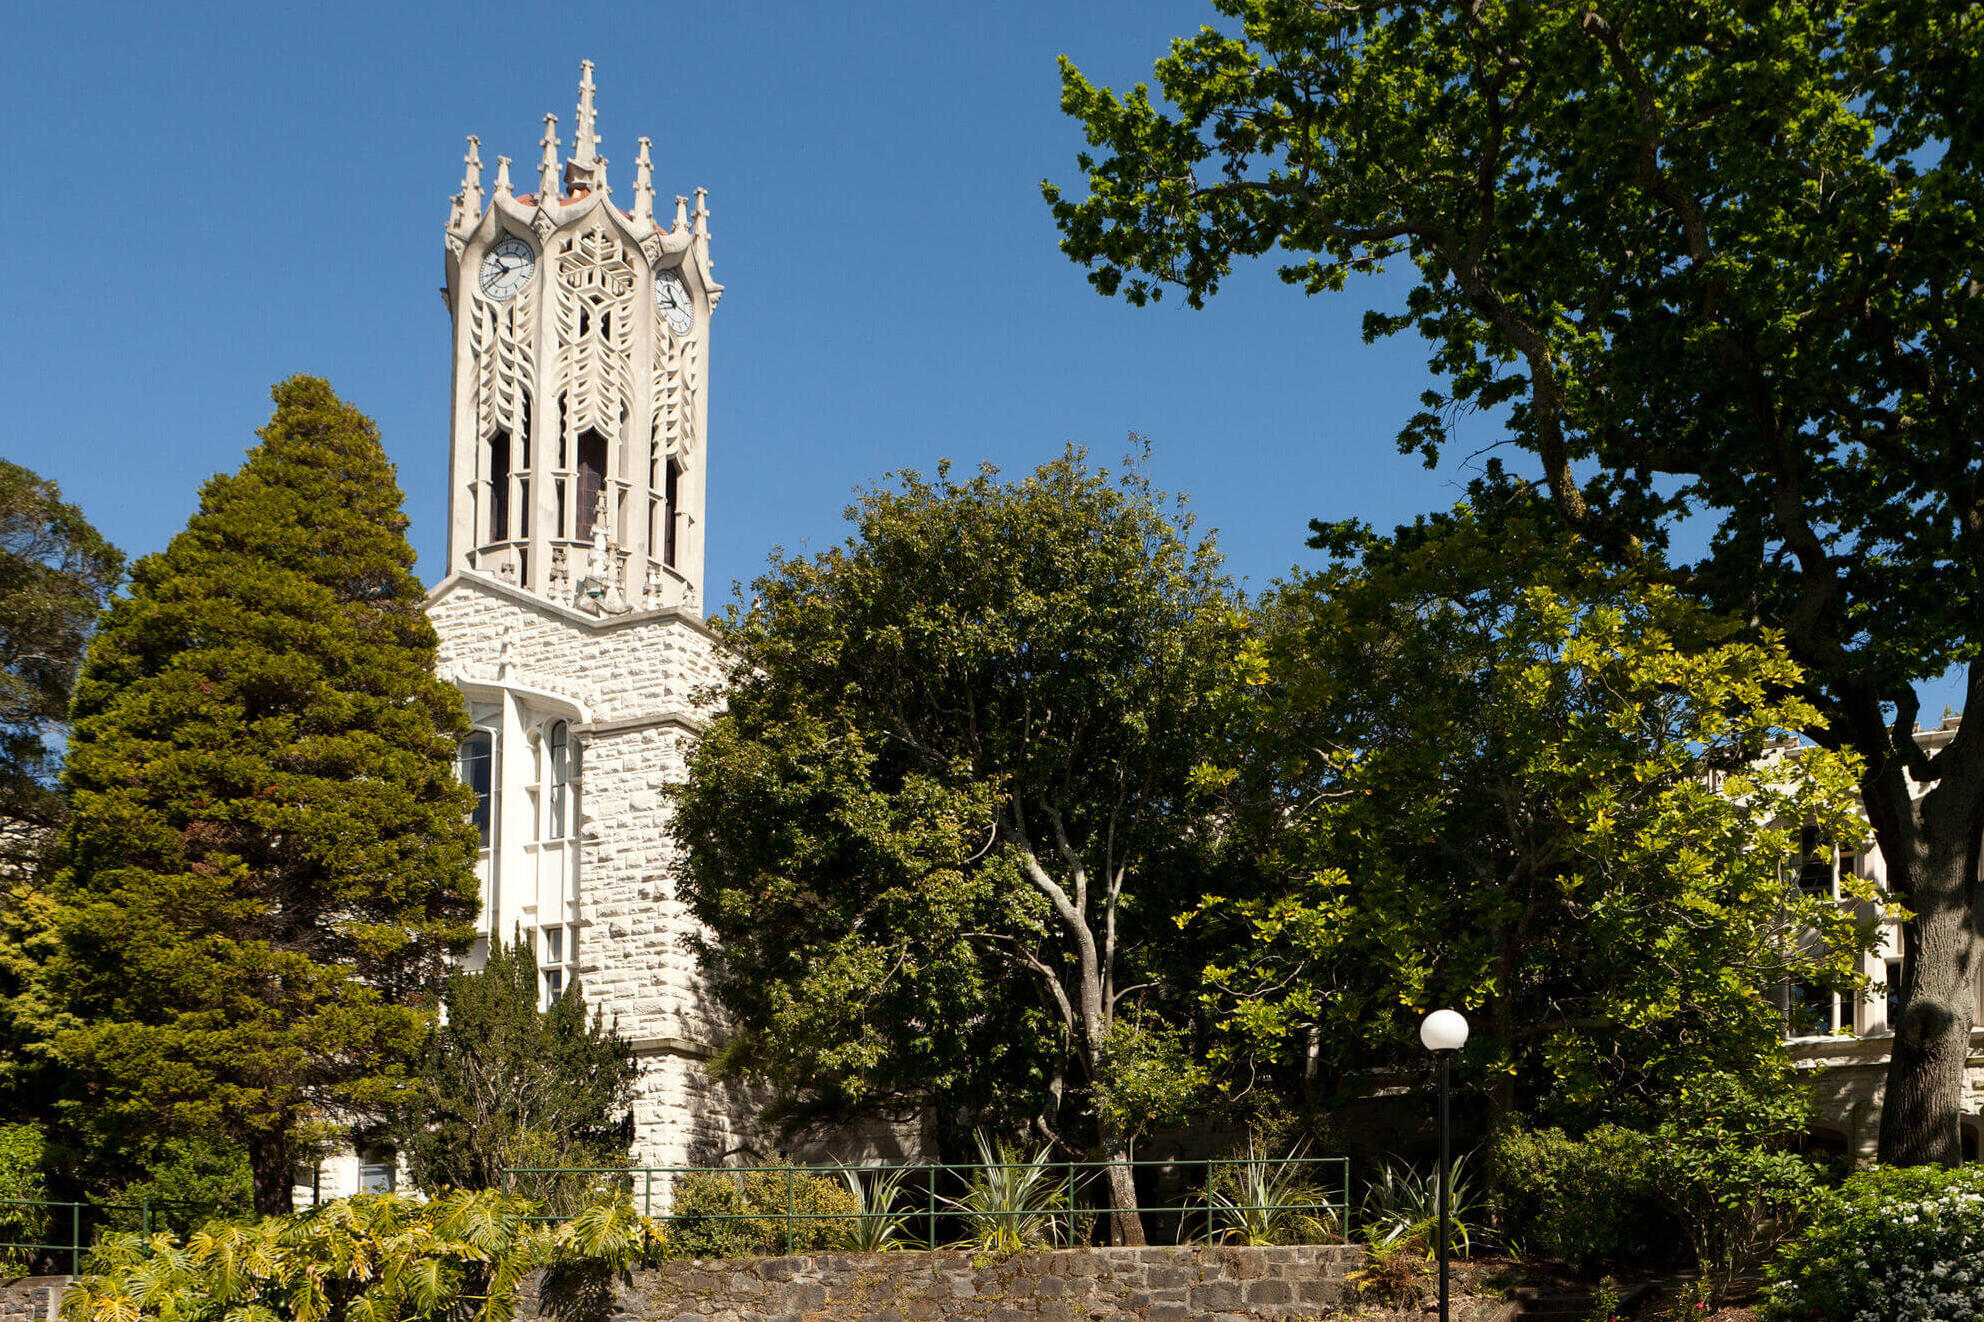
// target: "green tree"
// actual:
[[939, 831], [505, 1084], [1710, 262], [56, 572], [1490, 777], [269, 857]]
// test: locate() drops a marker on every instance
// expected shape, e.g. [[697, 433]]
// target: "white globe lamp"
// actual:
[[1444, 1030]]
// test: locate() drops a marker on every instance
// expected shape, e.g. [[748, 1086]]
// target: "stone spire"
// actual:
[[681, 213], [502, 176], [587, 168], [703, 213], [468, 202], [643, 186], [547, 167]]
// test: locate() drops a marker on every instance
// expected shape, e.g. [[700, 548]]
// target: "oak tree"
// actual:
[[1714, 265]]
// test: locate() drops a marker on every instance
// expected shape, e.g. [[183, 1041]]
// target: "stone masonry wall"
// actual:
[[1087, 1285], [638, 676], [32, 1298]]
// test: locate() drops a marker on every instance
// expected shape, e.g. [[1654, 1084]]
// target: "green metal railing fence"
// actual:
[[1291, 1194], [85, 1223]]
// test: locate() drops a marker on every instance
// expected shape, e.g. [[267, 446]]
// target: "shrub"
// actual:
[[23, 1192], [1014, 1202], [743, 1214], [1404, 1204], [188, 1183], [1259, 1200], [1721, 1161], [1887, 1244], [1586, 1201], [1392, 1272]]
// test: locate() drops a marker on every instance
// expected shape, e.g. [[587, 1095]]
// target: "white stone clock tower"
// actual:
[[570, 616]]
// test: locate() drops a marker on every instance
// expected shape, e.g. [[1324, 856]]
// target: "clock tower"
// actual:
[[570, 614]]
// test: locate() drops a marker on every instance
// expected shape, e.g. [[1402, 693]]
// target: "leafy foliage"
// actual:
[[23, 1185], [56, 572], [1709, 263], [1402, 1205], [373, 1258], [504, 1084], [1266, 1200], [1587, 1201], [1722, 1162], [768, 1210], [950, 806], [270, 856], [1888, 1243], [1492, 775], [1014, 1202], [883, 1222]]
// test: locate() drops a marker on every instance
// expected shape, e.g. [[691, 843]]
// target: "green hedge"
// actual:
[[721, 1214], [1587, 1201], [1887, 1244]]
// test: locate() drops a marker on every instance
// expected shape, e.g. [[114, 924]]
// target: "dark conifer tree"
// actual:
[[269, 857], [507, 1085]]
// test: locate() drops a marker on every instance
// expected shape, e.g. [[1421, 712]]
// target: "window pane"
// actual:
[[1894, 993], [560, 745], [474, 767], [554, 945], [1810, 1013], [554, 983]]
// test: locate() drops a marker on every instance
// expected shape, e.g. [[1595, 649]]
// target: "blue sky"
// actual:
[[217, 196], [211, 197]]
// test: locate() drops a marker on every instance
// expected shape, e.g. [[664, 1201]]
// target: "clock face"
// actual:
[[671, 300], [507, 268]]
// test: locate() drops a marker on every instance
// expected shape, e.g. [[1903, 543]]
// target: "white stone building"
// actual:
[[1840, 1044], [570, 611]]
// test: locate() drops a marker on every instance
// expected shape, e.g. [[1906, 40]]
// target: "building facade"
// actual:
[[1840, 1044], [570, 613]]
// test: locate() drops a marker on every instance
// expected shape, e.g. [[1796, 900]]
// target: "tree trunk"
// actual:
[[1930, 847], [1125, 1224], [272, 1163]]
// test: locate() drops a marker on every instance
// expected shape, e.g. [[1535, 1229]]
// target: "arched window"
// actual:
[[475, 766], [499, 487], [560, 745], [672, 497], [592, 476]]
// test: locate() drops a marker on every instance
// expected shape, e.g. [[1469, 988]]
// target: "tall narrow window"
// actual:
[[554, 945], [671, 496], [499, 487], [475, 767], [560, 745], [592, 476]]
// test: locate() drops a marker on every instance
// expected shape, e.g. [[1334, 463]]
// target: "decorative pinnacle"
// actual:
[[585, 141], [547, 168], [643, 185], [681, 212], [502, 176], [702, 213], [469, 203]]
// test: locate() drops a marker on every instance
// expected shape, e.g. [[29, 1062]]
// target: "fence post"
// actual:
[[647, 1191], [931, 1186], [75, 1239], [1069, 1198], [145, 1216], [791, 1174]]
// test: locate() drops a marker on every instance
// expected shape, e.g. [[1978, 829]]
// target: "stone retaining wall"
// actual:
[[1093, 1285], [32, 1298]]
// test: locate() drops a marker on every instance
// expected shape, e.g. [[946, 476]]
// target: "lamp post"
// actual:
[[1444, 1032]]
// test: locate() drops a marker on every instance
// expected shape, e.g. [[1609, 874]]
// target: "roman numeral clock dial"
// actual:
[[507, 268], [671, 300]]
